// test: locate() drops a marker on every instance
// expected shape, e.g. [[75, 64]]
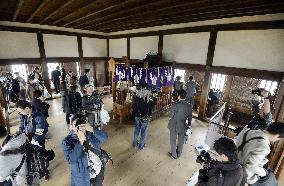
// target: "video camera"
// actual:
[[258, 91], [205, 159]]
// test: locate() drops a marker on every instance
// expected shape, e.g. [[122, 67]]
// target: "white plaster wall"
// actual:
[[93, 47], [18, 45], [186, 48], [60, 45], [118, 47], [252, 49], [140, 46]]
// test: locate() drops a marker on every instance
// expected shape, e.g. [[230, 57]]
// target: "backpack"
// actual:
[[244, 141]]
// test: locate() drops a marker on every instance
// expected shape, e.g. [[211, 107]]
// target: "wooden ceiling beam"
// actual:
[[64, 5], [152, 10], [17, 10], [105, 8], [130, 11], [42, 4], [182, 12], [190, 17]]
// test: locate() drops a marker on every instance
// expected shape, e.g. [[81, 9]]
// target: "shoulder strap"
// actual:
[[244, 142], [241, 176]]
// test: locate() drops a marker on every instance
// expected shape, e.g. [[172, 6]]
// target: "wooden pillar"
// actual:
[[160, 45], [207, 77], [228, 86], [107, 74], [44, 67], [128, 47], [80, 52]]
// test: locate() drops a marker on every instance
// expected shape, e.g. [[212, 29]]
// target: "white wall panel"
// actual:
[[186, 48], [140, 46], [118, 47], [93, 47], [60, 45], [18, 45], [252, 49]]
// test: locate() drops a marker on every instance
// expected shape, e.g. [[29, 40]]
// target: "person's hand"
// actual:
[[81, 136], [88, 127], [73, 127]]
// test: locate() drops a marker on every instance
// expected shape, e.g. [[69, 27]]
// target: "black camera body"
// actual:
[[258, 91], [205, 159]]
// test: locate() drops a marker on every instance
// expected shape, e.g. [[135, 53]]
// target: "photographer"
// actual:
[[226, 169], [82, 150], [254, 147]]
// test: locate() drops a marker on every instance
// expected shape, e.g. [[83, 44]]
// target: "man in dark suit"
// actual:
[[55, 77], [84, 80], [180, 120]]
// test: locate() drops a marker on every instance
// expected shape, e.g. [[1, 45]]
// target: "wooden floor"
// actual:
[[149, 167]]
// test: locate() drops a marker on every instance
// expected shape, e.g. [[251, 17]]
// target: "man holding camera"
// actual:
[[180, 120], [83, 152], [226, 169]]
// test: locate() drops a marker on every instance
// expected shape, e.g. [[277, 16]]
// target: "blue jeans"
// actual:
[[140, 125]]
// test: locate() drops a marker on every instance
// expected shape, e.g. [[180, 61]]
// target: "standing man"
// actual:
[[55, 77], [178, 85], [84, 80], [83, 152], [23, 85], [190, 88], [143, 105], [180, 120]]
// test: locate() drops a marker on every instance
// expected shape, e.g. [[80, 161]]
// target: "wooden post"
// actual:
[[128, 47], [207, 77], [44, 67], [107, 74], [228, 86], [160, 45], [80, 52]]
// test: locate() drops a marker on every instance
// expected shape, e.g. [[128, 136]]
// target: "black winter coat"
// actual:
[[71, 102], [222, 174], [142, 108]]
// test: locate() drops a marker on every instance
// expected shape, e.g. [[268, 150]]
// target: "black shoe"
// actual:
[[171, 156]]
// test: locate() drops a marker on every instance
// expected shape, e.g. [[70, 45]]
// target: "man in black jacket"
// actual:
[[84, 80], [55, 77], [226, 169], [143, 105]]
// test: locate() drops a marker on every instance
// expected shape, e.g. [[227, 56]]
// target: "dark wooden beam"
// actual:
[[64, 5], [107, 7], [42, 4], [128, 47], [211, 47], [18, 9], [160, 45], [187, 66], [47, 31], [107, 82], [132, 8], [92, 3], [80, 47], [259, 25], [16, 61], [187, 16], [44, 67]]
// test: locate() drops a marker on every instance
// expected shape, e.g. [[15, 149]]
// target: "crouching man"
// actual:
[[82, 150], [226, 169]]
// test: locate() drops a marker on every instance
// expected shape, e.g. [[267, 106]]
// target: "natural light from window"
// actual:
[[270, 86], [51, 67], [217, 82], [21, 69], [181, 73]]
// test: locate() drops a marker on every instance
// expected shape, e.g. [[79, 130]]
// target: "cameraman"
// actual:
[[82, 150], [262, 116], [226, 169]]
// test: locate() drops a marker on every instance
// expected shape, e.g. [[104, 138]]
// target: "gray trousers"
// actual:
[[190, 100], [176, 148]]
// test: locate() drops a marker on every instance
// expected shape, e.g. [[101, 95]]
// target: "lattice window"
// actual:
[[217, 82], [270, 86], [181, 73], [21, 69]]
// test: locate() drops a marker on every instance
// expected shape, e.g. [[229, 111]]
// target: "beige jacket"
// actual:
[[254, 154]]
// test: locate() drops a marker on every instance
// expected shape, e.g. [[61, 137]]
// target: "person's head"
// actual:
[[89, 88], [37, 94], [37, 69], [70, 72], [78, 122], [182, 94], [24, 107], [17, 74], [178, 78], [3, 131], [226, 149], [190, 78], [275, 131], [58, 68], [87, 71]]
